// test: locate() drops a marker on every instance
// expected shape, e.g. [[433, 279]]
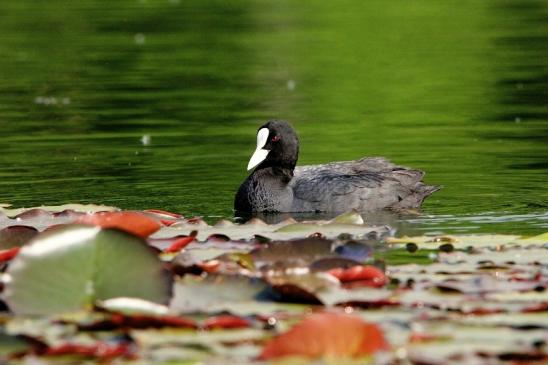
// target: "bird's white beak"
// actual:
[[260, 154]]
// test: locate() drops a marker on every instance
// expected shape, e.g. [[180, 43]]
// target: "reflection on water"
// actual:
[[459, 92], [522, 82]]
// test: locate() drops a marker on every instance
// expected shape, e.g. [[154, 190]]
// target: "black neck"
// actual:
[[285, 174]]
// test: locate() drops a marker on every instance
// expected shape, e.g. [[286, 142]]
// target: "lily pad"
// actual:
[[12, 345], [302, 251], [68, 268], [289, 229], [84, 208], [130, 306], [16, 236], [465, 241], [214, 292], [330, 335], [131, 222]]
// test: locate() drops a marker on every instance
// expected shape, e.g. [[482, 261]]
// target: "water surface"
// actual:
[[155, 104]]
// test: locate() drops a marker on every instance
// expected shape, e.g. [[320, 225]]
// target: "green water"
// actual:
[[456, 88]]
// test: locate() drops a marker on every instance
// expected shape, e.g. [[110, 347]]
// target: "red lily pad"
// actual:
[[163, 214], [327, 335], [166, 218], [10, 253], [101, 350], [132, 222], [225, 322], [365, 275], [118, 321], [180, 243]]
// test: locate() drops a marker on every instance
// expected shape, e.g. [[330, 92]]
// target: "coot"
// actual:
[[367, 184]]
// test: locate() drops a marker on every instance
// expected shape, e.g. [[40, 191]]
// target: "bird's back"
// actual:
[[366, 184]]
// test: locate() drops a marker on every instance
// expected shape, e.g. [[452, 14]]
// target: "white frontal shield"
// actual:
[[260, 154]]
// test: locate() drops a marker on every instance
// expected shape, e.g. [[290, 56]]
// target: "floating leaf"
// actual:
[[129, 306], [327, 335], [195, 347], [180, 243], [214, 292], [328, 263], [68, 268], [486, 284], [103, 351], [465, 241], [16, 236], [487, 296], [285, 230], [123, 322], [303, 251], [13, 345], [163, 214], [366, 275], [225, 322], [539, 239], [359, 251], [131, 222], [361, 297], [10, 253], [352, 217], [166, 218], [85, 208], [300, 288]]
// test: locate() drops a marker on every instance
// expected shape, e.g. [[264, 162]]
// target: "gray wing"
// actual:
[[365, 184]]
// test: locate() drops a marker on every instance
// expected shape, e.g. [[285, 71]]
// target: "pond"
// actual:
[[155, 104]]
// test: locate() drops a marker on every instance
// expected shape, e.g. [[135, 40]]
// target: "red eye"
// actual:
[[275, 138]]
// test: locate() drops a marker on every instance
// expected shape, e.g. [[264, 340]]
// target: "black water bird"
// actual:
[[367, 184]]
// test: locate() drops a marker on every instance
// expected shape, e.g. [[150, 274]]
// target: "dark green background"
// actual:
[[457, 88]]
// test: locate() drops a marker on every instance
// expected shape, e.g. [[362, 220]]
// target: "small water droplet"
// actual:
[[291, 84], [140, 39], [145, 140]]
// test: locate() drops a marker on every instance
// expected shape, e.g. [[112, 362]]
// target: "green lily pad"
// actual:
[[70, 267], [351, 217], [131, 306], [214, 293], [86, 208], [10, 345], [350, 223], [465, 241]]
